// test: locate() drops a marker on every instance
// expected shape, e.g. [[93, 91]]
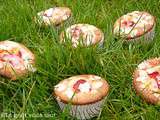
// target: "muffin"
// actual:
[[53, 16], [86, 93], [15, 59], [146, 80], [135, 26], [83, 34]]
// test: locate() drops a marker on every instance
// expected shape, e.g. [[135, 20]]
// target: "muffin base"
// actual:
[[83, 112], [146, 38], [101, 44]]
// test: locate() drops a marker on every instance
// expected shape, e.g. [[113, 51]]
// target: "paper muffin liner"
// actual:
[[101, 43], [146, 38], [83, 112]]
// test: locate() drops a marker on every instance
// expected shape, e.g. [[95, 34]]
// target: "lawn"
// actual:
[[30, 98]]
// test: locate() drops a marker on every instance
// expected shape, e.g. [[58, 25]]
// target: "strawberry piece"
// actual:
[[130, 23], [76, 32], [124, 23], [76, 85], [1, 60], [156, 76], [19, 54], [45, 14], [158, 83], [153, 75]]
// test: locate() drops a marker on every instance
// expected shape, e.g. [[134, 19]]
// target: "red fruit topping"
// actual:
[[76, 85], [153, 75], [124, 23], [1, 60], [45, 14], [158, 83], [76, 32], [11, 62], [156, 76], [128, 23], [19, 54]]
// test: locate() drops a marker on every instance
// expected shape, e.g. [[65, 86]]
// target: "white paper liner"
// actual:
[[147, 37], [101, 43], [83, 112]]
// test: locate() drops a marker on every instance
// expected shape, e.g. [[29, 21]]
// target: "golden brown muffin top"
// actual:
[[81, 89], [134, 24], [53, 16]]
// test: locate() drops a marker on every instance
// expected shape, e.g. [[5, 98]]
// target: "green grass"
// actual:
[[116, 62]]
